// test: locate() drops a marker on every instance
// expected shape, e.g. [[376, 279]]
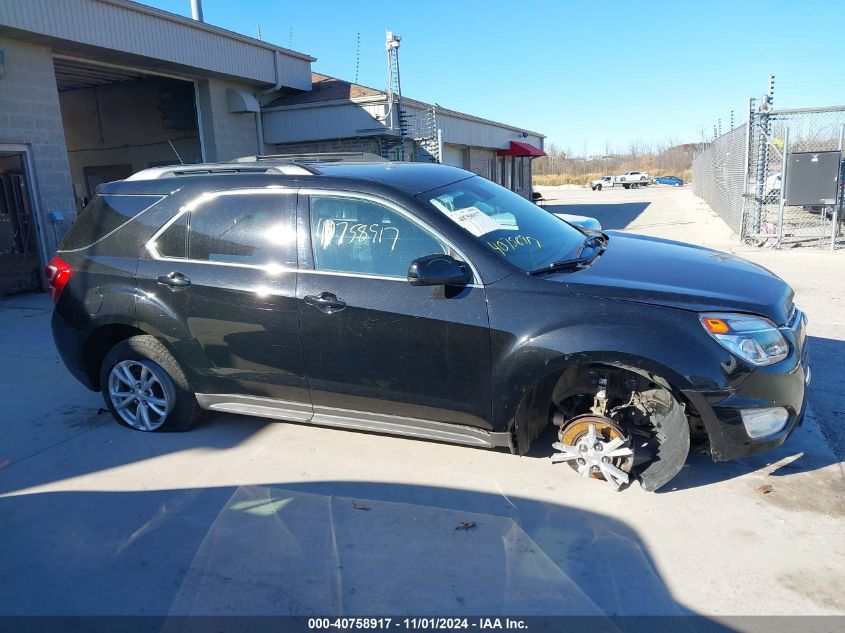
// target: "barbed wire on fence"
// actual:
[[741, 174]]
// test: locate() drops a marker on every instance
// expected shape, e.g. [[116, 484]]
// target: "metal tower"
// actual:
[[397, 118], [421, 128]]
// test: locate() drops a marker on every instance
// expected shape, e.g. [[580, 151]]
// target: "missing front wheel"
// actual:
[[616, 411]]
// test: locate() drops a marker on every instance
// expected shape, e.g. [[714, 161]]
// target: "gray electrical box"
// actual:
[[811, 178]]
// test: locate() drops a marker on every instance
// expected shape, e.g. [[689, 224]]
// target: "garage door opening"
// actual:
[[20, 263], [118, 121]]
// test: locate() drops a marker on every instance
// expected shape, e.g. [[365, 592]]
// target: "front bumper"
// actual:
[[784, 384]]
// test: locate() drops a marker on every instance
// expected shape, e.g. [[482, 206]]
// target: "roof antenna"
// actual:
[[258, 29], [181, 162], [290, 38]]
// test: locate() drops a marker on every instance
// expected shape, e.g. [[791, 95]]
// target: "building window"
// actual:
[[520, 176], [509, 174]]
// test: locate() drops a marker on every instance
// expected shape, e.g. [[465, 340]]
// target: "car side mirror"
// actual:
[[438, 270]]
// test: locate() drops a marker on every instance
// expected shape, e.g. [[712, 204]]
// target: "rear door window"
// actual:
[[103, 215], [252, 229]]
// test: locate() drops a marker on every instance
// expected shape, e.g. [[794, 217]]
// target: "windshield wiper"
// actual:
[[598, 240], [564, 264]]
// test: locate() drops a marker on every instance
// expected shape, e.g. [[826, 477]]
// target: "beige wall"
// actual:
[[226, 135], [479, 160], [30, 116]]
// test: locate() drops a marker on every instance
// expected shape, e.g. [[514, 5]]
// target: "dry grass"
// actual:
[[583, 179]]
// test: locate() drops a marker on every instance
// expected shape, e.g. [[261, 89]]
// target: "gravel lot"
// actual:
[[244, 515]]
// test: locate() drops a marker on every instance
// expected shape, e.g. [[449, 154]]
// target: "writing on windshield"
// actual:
[[507, 224]]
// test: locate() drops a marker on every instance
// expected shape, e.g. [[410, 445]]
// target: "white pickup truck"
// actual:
[[630, 179]]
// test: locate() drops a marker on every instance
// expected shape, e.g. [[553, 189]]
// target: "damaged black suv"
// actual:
[[421, 300]]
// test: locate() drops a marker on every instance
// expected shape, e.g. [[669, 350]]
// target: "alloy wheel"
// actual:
[[141, 394]]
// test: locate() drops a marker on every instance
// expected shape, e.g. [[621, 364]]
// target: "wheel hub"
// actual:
[[596, 447], [138, 394]]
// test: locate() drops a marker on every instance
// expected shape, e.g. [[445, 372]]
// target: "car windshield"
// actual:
[[507, 224]]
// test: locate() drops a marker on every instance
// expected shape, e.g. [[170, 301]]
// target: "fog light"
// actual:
[[763, 422]]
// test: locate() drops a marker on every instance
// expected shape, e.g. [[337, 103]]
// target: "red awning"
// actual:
[[521, 149]]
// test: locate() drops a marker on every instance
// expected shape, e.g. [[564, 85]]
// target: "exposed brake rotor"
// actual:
[[595, 446]]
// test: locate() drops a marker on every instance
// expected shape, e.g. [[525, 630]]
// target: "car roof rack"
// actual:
[[316, 157], [205, 169]]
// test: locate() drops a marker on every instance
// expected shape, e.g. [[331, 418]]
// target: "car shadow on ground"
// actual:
[[323, 548], [613, 216], [111, 446]]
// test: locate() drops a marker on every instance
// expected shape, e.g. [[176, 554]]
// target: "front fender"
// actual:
[[531, 347]]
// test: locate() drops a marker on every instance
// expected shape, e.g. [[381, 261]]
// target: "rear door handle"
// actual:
[[325, 302], [174, 280]]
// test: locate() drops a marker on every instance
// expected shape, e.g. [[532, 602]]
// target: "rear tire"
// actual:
[[161, 398], [598, 187]]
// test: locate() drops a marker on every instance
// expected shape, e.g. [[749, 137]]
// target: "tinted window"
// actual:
[[174, 241], [358, 236], [254, 229], [507, 224], [104, 214]]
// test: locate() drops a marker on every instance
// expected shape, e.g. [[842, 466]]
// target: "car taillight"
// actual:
[[58, 273]]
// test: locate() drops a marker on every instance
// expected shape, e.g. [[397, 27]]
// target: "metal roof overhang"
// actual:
[[521, 149], [129, 34], [73, 74]]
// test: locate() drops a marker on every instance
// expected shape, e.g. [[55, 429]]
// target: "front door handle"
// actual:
[[174, 280], [325, 302]]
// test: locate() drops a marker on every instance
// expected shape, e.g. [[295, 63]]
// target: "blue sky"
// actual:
[[588, 75]]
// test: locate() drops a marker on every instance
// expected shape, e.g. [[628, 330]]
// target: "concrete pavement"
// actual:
[[249, 516]]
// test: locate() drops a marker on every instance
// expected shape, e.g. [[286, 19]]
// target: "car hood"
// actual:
[[678, 275]]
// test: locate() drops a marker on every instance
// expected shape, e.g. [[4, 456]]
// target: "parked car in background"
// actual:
[[421, 300], [633, 176], [773, 184], [586, 223], [582, 221], [669, 180]]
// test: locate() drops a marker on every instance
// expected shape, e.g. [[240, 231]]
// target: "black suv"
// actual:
[[422, 300]]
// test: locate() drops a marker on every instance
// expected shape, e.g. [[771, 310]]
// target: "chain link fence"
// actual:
[[741, 174], [718, 175]]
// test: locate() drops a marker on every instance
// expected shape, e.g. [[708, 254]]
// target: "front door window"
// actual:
[[351, 235]]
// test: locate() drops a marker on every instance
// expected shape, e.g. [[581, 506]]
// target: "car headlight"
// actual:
[[751, 338]]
